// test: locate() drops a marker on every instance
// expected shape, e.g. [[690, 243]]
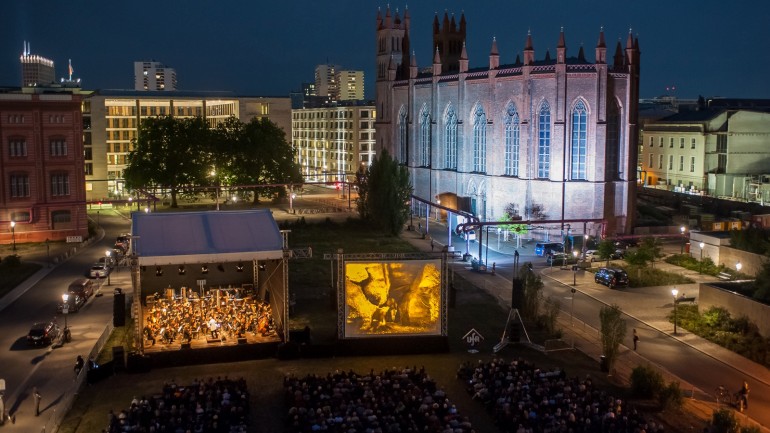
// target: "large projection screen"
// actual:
[[393, 298]]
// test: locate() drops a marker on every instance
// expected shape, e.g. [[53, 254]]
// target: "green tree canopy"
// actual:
[[168, 153], [606, 249], [613, 331], [384, 190]]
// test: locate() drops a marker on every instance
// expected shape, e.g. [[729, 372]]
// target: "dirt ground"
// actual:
[[474, 309]]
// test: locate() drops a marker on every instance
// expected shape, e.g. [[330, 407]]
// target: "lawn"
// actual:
[[11, 275]]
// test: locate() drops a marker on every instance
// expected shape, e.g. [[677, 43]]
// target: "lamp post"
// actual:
[[47, 253], [572, 308], [216, 180], [107, 265], [700, 266], [738, 267], [682, 229], [13, 234], [674, 292], [65, 310]]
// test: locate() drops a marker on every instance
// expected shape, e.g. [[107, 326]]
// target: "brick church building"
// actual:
[[555, 137]]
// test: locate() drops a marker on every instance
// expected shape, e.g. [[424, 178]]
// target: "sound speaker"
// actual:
[[517, 294], [119, 310]]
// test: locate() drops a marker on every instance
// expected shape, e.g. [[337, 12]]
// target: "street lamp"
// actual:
[[738, 267], [574, 268], [65, 310], [700, 267], [682, 229], [674, 292], [216, 179], [572, 308], [47, 253], [13, 234], [107, 265]]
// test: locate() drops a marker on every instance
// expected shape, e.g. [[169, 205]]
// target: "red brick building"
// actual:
[[42, 182]]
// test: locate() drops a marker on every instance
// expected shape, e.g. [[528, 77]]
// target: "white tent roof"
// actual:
[[205, 237]]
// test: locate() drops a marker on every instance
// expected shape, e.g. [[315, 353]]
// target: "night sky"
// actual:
[[268, 48]]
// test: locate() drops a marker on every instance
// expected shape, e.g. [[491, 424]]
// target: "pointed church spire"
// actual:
[[413, 66], [561, 48], [379, 18], [494, 55], [618, 57], [601, 48], [388, 22], [435, 24], [529, 51], [630, 39], [436, 57], [581, 54], [436, 63], [463, 59], [518, 60], [462, 22], [453, 24], [548, 55]]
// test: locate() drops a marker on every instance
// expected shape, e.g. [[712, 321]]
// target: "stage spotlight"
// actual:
[[221, 267], [261, 267], [239, 267], [158, 271], [182, 270], [205, 269]]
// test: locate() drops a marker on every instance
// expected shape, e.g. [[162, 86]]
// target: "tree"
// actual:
[[613, 331], [168, 153], [606, 249], [511, 213], [651, 248], [533, 293], [261, 156], [384, 190], [762, 283]]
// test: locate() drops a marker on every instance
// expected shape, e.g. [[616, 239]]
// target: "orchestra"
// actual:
[[220, 315]]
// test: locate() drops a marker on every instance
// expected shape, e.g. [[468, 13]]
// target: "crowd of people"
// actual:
[[220, 315], [218, 405], [394, 400], [523, 399]]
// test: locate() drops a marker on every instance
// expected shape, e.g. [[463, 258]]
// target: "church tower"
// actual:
[[449, 39], [392, 64]]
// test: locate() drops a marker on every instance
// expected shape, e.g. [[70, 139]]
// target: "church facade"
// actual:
[[551, 139]]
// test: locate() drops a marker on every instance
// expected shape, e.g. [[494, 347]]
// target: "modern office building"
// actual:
[[116, 114], [715, 151], [42, 193], [350, 85], [556, 138], [36, 70], [153, 75], [332, 143], [326, 80]]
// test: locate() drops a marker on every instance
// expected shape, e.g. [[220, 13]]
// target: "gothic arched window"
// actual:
[[450, 141], [403, 137], [544, 141], [424, 139], [614, 155], [579, 145], [512, 134], [479, 140]]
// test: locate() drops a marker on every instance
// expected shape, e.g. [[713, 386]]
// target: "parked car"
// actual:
[[611, 277], [98, 270], [74, 303], [82, 287], [470, 236], [618, 254], [592, 256], [43, 333], [108, 262], [560, 259]]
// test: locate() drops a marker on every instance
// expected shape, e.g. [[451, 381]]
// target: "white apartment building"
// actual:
[[154, 76], [325, 80], [715, 152], [331, 143], [350, 85]]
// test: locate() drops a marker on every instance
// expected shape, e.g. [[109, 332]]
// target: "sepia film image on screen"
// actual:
[[393, 298]]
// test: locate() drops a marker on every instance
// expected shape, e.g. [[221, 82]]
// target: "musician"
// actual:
[[214, 328]]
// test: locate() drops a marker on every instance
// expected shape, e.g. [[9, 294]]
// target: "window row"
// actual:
[[670, 166], [671, 140], [578, 144], [17, 147], [20, 185], [16, 118]]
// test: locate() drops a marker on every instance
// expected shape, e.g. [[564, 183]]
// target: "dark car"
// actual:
[[43, 333], [82, 287], [74, 302], [611, 277], [560, 259]]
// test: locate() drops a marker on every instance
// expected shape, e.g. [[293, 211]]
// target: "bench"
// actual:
[[724, 276], [681, 299]]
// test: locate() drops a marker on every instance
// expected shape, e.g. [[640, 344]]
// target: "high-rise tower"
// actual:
[[36, 70]]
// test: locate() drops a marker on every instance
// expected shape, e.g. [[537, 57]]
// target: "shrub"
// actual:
[[670, 396], [12, 261], [724, 421], [646, 382]]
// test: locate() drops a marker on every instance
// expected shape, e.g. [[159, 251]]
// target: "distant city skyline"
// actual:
[[688, 47]]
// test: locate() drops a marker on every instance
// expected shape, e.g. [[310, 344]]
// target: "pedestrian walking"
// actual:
[[636, 339], [432, 245], [36, 395]]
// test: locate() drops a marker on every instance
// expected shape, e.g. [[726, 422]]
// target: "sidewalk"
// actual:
[[587, 339]]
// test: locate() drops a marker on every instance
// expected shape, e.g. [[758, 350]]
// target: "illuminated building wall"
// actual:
[[350, 85], [331, 143], [154, 76]]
